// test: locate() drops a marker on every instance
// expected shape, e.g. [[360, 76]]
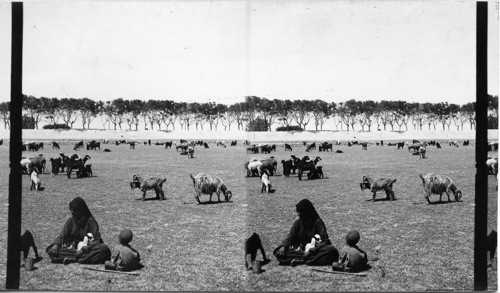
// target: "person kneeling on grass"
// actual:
[[64, 249], [292, 249], [352, 258], [125, 257]]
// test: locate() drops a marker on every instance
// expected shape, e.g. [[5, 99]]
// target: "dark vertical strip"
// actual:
[[481, 196], [16, 96]]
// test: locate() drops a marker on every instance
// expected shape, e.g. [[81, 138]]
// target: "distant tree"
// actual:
[[28, 122], [257, 124], [5, 114], [89, 109], [34, 108], [68, 110]]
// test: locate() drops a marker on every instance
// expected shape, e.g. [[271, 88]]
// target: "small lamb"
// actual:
[[438, 184], [35, 181], [379, 184], [148, 184], [206, 184], [266, 185]]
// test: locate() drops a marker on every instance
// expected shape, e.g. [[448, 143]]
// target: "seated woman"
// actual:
[[292, 249], [64, 249]]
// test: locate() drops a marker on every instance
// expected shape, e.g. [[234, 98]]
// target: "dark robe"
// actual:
[[301, 233], [74, 230]]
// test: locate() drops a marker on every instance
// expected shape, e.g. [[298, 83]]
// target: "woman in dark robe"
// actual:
[[64, 248], [292, 249]]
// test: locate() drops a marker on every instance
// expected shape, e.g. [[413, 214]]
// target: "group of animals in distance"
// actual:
[[261, 167]]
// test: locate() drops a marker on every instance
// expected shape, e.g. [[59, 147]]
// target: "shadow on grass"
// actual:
[[213, 202], [382, 199], [443, 202], [149, 198]]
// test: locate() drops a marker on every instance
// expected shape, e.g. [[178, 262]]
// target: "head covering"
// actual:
[[125, 236], [306, 210], [79, 205], [352, 237]]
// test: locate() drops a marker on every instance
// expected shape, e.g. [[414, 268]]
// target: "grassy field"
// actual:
[[200, 247]]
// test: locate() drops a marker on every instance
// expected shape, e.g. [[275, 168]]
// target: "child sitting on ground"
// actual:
[[352, 258], [125, 258]]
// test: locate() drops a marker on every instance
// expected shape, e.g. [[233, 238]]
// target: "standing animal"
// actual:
[[35, 181], [253, 168], [55, 145], [78, 145], [287, 167], [27, 242], [306, 165], [266, 184], [148, 184], [437, 184], [206, 184], [438, 145], [85, 172], [288, 147], [400, 145], [252, 245], [75, 163], [492, 166], [379, 184], [190, 152]]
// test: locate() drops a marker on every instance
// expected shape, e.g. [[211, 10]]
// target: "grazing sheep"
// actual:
[[148, 184], [266, 184], [271, 165], [438, 184], [35, 181], [205, 184], [492, 165], [253, 168], [379, 184]]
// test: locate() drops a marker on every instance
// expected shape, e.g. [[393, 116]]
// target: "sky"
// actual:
[[222, 51]]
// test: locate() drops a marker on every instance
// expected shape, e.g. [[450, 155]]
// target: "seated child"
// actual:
[[352, 259], [125, 258]]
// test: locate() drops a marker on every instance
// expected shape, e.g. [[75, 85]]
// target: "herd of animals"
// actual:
[[254, 167]]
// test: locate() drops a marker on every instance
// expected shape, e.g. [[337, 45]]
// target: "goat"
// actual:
[[190, 152], [148, 184], [266, 185], [306, 165], [86, 171], [401, 145], [438, 145], [492, 166], [316, 174], [438, 184], [288, 147], [207, 184], [35, 181], [379, 184], [271, 165]]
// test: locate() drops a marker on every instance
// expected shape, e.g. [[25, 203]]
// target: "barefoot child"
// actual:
[[125, 258], [352, 258]]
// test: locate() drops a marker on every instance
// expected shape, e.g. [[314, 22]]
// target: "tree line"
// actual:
[[254, 114]]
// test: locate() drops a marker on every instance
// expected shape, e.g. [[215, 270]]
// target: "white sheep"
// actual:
[[437, 184], [35, 181], [205, 184], [253, 167]]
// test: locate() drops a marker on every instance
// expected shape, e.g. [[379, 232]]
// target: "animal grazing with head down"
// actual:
[[75, 163], [306, 164], [437, 184], [379, 184], [206, 184], [148, 184]]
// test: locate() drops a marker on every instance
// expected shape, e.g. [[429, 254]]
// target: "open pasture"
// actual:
[[185, 246]]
